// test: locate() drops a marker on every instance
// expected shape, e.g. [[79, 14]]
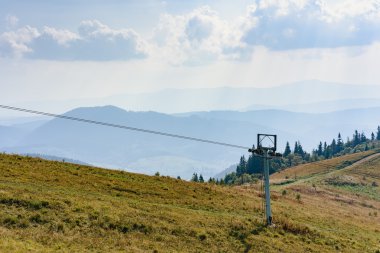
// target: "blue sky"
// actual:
[[82, 49]]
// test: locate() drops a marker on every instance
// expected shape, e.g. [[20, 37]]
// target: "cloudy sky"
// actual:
[[81, 49]]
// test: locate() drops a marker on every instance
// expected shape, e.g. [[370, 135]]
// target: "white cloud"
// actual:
[[202, 36], [314, 24], [95, 41], [16, 43], [62, 37], [348, 9], [100, 42], [198, 37]]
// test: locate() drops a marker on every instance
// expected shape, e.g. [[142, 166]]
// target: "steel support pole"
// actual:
[[268, 211]]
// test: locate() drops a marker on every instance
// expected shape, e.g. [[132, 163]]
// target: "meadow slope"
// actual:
[[48, 206]]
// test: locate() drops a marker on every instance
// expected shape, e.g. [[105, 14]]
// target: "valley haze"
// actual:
[[304, 96]]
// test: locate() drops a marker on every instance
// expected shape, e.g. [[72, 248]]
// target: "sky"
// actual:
[[57, 50]]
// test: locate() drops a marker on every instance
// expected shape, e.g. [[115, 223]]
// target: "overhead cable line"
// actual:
[[124, 127]]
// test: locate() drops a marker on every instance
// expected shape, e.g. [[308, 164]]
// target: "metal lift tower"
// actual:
[[266, 149]]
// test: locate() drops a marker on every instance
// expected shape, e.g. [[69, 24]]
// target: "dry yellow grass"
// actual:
[[59, 207]]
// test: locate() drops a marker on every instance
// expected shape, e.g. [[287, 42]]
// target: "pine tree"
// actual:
[[356, 139], [195, 178], [333, 147], [287, 150], [363, 138], [201, 180], [328, 152], [296, 148], [250, 165], [372, 136], [325, 151], [242, 167], [320, 149], [300, 150], [339, 145], [254, 165], [378, 133]]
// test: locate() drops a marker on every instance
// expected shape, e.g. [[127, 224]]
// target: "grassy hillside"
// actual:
[[48, 206], [320, 168]]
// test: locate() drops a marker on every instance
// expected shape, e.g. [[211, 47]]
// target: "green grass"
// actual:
[[50, 206]]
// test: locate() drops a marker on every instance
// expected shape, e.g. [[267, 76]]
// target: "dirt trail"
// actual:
[[366, 159]]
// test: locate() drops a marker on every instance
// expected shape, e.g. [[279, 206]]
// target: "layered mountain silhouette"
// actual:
[[147, 153]]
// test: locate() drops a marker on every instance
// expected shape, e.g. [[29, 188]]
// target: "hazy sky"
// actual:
[[77, 48]]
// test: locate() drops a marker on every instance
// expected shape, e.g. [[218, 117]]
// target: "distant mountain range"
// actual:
[[321, 107], [306, 96], [311, 93], [309, 127], [146, 153], [138, 151]]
